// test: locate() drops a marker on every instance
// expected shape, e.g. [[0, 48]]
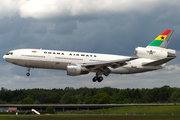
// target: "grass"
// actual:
[[142, 113], [85, 117], [134, 110]]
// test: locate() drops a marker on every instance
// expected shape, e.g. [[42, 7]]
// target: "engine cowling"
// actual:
[[76, 70], [150, 53]]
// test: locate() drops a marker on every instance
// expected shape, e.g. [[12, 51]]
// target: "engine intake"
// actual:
[[76, 70]]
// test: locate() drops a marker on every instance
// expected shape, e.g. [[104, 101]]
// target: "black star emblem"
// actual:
[[150, 52], [162, 38]]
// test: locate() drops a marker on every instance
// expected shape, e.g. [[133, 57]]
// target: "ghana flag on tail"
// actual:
[[163, 39]]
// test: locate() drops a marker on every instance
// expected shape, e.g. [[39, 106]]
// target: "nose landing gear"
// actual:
[[28, 69], [28, 74]]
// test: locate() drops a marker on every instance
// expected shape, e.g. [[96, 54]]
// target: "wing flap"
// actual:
[[102, 67], [159, 62], [112, 63]]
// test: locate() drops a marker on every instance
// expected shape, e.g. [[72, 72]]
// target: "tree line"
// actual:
[[84, 95]]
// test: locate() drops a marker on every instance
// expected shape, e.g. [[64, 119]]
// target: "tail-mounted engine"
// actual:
[[76, 70], [152, 53]]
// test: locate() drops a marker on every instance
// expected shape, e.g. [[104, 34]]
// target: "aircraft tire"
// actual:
[[28, 74], [100, 79], [95, 79]]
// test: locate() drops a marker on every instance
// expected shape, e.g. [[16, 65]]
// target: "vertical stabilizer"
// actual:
[[163, 39]]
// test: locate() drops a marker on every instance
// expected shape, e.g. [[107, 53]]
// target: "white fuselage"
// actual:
[[52, 59]]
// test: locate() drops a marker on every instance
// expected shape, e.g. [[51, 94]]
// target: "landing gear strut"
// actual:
[[98, 76], [28, 74]]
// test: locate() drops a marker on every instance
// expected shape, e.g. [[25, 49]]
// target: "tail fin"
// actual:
[[163, 39]]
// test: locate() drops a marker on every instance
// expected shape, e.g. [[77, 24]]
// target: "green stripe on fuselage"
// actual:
[[156, 43]]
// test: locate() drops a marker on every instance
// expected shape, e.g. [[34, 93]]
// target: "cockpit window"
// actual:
[[9, 53]]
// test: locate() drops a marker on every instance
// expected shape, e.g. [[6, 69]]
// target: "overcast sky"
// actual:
[[99, 26]]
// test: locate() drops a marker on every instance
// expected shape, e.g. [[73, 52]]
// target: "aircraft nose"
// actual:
[[4, 57]]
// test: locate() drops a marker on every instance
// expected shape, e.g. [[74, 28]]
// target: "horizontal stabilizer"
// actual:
[[159, 62]]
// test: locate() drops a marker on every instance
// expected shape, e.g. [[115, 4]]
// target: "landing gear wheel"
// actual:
[[95, 79], [28, 74], [28, 69], [100, 79]]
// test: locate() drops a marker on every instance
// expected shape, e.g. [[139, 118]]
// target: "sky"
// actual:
[[96, 26]]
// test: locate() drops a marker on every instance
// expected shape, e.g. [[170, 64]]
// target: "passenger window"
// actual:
[[58, 53], [49, 52], [54, 53], [62, 53], [45, 52]]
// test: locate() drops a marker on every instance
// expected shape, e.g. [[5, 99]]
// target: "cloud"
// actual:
[[38, 9], [44, 8], [63, 8], [9, 8]]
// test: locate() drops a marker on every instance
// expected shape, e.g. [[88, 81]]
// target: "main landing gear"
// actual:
[[28, 69], [96, 78]]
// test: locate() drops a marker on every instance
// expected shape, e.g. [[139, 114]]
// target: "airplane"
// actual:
[[149, 58]]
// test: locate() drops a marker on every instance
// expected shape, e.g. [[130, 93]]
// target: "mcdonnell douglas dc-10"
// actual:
[[149, 58]]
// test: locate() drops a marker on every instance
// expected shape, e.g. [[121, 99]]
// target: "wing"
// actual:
[[159, 62], [103, 66]]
